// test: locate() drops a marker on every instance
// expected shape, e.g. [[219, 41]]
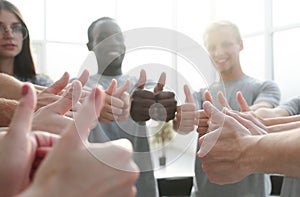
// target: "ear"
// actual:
[[89, 46], [241, 45]]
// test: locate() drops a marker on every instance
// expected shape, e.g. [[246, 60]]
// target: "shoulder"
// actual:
[[260, 82]]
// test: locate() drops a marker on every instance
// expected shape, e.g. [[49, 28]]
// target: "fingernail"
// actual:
[[25, 89]]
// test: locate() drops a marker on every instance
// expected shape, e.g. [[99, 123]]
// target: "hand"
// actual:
[[186, 114], [221, 150], [141, 100], [54, 92], [51, 93], [21, 150], [116, 103], [158, 105], [202, 118], [51, 118], [165, 106], [107, 169], [249, 121]]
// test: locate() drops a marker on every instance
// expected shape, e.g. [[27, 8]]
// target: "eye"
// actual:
[[2, 28], [17, 28]]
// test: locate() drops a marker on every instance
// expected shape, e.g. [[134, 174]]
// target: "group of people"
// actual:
[[65, 138]]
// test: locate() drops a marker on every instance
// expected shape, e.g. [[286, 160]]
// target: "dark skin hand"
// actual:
[[158, 105]]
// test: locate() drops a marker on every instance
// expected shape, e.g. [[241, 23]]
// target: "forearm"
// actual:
[[260, 105], [7, 108], [10, 87], [281, 120], [275, 153], [284, 127], [271, 112]]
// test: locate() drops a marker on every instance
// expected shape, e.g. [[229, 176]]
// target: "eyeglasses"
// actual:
[[16, 30]]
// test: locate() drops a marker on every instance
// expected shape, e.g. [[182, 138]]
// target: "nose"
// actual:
[[8, 33]]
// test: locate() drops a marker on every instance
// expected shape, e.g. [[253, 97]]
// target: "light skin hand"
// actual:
[[245, 117], [51, 93], [83, 161], [19, 147], [116, 103], [51, 118], [201, 116], [244, 107], [222, 149], [58, 88], [186, 114], [248, 121], [161, 83]]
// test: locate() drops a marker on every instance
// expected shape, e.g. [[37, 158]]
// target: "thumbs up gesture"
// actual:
[[158, 105], [186, 114]]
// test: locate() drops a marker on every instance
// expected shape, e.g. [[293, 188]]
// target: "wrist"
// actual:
[[251, 158]]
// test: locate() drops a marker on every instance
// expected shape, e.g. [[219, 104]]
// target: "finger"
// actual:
[[188, 95], [217, 119], [119, 91], [143, 94], [112, 101], [59, 85], [23, 114], [252, 124], [70, 99], [222, 100], [78, 131], [212, 112], [242, 102], [84, 77], [208, 96], [161, 83], [142, 79], [112, 87]]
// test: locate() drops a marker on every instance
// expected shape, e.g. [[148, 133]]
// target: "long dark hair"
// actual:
[[23, 63]]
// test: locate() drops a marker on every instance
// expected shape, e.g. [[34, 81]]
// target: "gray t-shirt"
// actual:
[[256, 185], [137, 133], [292, 106], [291, 186]]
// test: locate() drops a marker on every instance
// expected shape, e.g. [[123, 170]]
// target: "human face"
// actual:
[[108, 44], [224, 48], [11, 43]]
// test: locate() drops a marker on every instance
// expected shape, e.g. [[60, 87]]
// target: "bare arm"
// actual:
[[9, 87], [271, 112], [7, 108], [260, 104], [230, 152], [265, 155]]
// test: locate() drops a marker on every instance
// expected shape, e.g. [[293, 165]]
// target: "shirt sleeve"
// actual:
[[269, 92], [292, 106]]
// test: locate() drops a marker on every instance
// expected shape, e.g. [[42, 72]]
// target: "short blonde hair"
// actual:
[[223, 24]]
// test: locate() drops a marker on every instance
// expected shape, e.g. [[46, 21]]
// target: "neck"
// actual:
[[110, 71], [232, 74], [7, 66]]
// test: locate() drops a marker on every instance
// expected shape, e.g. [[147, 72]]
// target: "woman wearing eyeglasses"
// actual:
[[15, 54]]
